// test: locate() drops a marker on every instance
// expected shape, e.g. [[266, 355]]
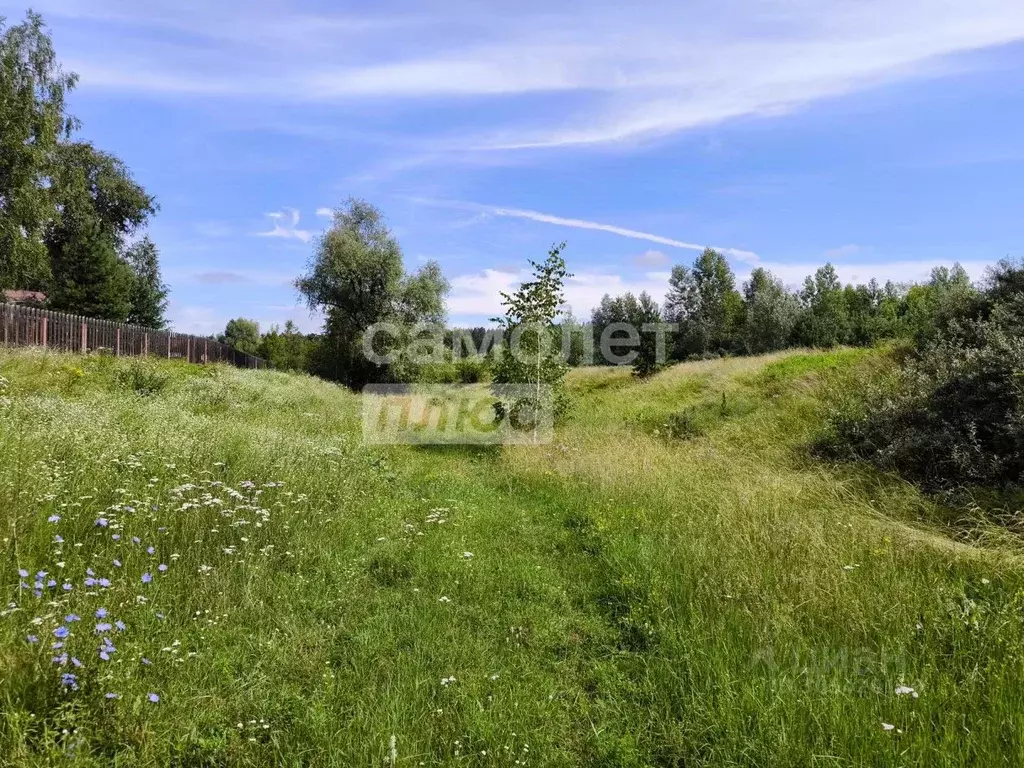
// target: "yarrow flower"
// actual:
[[905, 690]]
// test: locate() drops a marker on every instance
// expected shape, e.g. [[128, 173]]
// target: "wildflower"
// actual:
[[446, 681], [53, 519], [112, 696], [985, 581], [60, 632], [117, 563], [444, 599], [58, 539], [72, 617], [103, 582], [153, 697], [162, 567], [76, 662], [146, 661], [67, 587], [103, 627], [116, 536], [146, 577], [23, 573], [150, 550], [887, 726], [102, 522], [68, 680], [32, 639], [101, 613], [467, 555], [61, 660], [120, 625], [905, 690], [136, 540]]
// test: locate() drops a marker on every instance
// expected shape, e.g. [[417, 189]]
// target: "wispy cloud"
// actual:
[[286, 223], [325, 212], [843, 251], [629, 75], [547, 218]]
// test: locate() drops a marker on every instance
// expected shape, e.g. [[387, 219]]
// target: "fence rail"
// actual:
[[22, 326]]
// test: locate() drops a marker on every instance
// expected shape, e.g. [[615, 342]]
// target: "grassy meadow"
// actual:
[[233, 579]]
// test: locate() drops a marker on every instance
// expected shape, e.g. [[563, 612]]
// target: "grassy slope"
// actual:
[[632, 599]]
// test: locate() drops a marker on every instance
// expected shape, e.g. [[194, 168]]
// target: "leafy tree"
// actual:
[[242, 334], [533, 356], [356, 278], [947, 296], [825, 321], [147, 295], [286, 350], [704, 302], [770, 313], [32, 122], [99, 206], [638, 343]]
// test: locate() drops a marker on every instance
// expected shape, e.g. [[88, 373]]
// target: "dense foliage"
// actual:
[[952, 415], [68, 211], [356, 278]]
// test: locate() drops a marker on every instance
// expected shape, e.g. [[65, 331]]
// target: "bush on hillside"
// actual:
[[953, 414]]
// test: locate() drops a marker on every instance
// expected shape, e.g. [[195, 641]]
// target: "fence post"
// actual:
[[206, 351], [117, 342], [145, 344], [188, 349], [44, 332], [169, 337], [85, 337]]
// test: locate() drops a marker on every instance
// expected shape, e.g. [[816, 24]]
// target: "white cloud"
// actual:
[[899, 271], [651, 258], [325, 212], [642, 70], [842, 251], [477, 295], [547, 218], [286, 224]]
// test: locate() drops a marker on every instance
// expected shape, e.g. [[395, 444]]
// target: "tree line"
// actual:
[[71, 215]]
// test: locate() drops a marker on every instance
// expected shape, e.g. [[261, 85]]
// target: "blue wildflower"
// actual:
[[103, 627], [76, 662], [90, 581], [102, 522], [150, 550], [58, 645], [89, 572], [53, 519], [58, 539], [162, 567], [117, 563], [23, 573], [68, 680], [101, 613], [32, 639], [153, 697], [120, 625], [61, 632], [72, 617], [51, 583], [112, 696], [103, 582], [116, 536], [67, 587], [61, 660], [146, 661], [136, 540], [146, 577]]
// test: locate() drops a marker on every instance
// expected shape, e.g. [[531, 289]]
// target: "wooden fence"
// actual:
[[22, 326]]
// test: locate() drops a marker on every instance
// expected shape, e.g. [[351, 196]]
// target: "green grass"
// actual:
[[632, 598]]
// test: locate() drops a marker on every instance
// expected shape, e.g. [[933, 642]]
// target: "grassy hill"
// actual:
[[672, 582]]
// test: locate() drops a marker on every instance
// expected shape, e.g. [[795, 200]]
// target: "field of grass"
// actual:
[[672, 582]]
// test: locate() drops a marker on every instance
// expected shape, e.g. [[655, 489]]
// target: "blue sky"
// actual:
[[884, 136]]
